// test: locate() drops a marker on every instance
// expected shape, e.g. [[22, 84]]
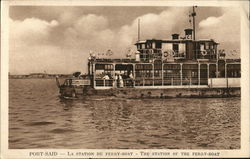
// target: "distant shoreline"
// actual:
[[42, 76]]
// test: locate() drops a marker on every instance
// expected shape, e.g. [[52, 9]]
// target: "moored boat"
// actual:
[[176, 67]]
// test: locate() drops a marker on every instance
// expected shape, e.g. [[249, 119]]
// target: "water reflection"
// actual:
[[66, 103]]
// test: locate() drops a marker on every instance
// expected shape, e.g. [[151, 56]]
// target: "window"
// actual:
[[176, 47], [158, 45], [138, 46], [153, 45], [202, 47], [149, 45], [211, 46], [206, 45], [108, 67], [142, 46]]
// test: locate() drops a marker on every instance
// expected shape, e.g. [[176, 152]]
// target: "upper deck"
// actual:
[[177, 50], [133, 61], [185, 48]]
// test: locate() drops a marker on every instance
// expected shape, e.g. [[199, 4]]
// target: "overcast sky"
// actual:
[[59, 39]]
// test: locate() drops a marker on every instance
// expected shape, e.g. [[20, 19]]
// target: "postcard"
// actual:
[[124, 79]]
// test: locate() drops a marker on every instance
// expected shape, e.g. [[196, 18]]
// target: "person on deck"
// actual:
[[121, 84], [131, 75], [115, 81], [131, 78], [106, 77]]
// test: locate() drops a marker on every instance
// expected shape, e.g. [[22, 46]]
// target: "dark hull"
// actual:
[[149, 93]]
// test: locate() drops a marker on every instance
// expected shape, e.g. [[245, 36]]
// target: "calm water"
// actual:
[[39, 119]]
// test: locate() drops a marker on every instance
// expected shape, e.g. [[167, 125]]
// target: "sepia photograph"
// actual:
[[126, 77]]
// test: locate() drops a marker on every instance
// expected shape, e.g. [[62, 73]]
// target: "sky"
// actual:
[[58, 39]]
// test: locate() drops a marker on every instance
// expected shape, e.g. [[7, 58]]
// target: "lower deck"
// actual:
[[192, 74], [173, 83]]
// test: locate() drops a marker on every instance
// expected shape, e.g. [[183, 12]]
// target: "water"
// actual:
[[39, 119]]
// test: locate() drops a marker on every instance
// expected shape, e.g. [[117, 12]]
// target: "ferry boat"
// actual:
[[177, 67]]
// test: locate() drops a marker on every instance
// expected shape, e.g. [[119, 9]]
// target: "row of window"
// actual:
[[158, 45], [149, 45], [167, 73], [177, 73], [207, 45], [187, 73], [165, 66]]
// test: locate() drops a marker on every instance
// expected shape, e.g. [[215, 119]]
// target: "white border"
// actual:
[[24, 153]]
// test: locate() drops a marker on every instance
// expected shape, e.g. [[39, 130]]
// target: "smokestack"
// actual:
[[175, 36]]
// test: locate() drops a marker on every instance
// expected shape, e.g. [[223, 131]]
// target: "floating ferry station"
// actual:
[[180, 66]]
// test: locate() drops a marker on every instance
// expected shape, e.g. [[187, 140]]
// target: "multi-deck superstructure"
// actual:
[[180, 63]]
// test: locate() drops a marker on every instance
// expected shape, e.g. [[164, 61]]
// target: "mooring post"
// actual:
[[162, 74], [181, 73], [153, 73], [225, 70], [94, 75], [199, 73], [114, 77], [134, 75]]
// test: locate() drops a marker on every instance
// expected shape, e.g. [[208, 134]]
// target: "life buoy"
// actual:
[[203, 53], [173, 52], [165, 54], [169, 53]]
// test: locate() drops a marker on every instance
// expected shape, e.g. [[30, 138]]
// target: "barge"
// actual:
[[177, 67]]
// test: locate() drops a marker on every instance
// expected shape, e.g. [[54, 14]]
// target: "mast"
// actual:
[[138, 29], [193, 15]]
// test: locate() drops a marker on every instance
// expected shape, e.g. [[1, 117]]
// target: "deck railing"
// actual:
[[150, 82], [104, 82]]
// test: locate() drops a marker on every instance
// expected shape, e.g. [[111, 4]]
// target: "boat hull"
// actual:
[[135, 93]]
